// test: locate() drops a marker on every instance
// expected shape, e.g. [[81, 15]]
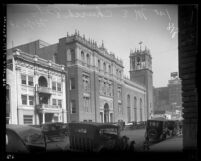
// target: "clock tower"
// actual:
[[141, 72]]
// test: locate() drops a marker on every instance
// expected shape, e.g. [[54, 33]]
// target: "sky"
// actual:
[[120, 27]]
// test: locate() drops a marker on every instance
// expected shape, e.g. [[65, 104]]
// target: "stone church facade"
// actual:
[[96, 89]]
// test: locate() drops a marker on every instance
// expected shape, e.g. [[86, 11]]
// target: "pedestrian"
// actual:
[[132, 146], [146, 144]]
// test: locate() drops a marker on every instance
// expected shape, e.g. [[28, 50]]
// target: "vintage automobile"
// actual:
[[159, 129], [57, 136], [55, 129], [93, 137], [156, 130], [24, 139]]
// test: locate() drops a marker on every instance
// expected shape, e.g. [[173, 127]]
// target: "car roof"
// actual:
[[94, 124], [158, 119], [23, 130]]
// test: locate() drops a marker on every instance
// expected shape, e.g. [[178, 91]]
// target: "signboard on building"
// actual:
[[174, 74]]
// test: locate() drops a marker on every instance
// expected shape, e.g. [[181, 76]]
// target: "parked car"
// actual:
[[93, 137], [156, 130], [24, 139], [57, 136]]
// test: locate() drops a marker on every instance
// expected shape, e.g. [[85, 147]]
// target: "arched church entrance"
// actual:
[[106, 112]]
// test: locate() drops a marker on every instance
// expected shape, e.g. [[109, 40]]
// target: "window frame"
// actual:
[[30, 81], [28, 118], [54, 82], [31, 100], [58, 83], [22, 99], [72, 83], [73, 106], [59, 100], [53, 99], [23, 80]]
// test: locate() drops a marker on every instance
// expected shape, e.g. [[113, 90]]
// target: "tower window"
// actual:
[[73, 106], [72, 83]]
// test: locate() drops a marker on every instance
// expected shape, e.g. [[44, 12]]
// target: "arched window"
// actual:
[[135, 109], [110, 71], [140, 109], [99, 67], [128, 108], [88, 59], [82, 56], [117, 72], [54, 59], [42, 81], [104, 67], [72, 52]]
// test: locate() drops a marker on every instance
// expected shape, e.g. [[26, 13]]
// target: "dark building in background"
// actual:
[[168, 98], [161, 99], [174, 92]]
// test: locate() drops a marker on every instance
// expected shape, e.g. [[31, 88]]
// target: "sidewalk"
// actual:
[[174, 144]]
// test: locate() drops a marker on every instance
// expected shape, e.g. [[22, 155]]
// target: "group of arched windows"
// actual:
[[134, 109], [87, 60]]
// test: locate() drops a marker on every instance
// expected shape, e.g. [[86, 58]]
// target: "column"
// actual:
[[43, 114]]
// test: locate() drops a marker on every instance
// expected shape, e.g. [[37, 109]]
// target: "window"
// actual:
[[110, 71], [86, 102], [119, 108], [99, 67], [54, 86], [72, 83], [72, 55], [60, 103], [30, 80], [54, 102], [86, 83], [58, 86], [24, 99], [128, 108], [82, 56], [104, 67], [31, 100], [140, 109], [28, 119], [88, 59], [135, 109], [101, 116], [119, 93], [73, 106], [23, 79], [111, 117]]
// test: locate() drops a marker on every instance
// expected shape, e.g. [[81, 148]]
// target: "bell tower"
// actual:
[[141, 72]]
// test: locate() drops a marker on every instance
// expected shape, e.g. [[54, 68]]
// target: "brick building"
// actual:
[[96, 89], [35, 90]]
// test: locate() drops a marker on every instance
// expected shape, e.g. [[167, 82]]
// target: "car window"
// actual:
[[108, 131], [35, 138], [14, 144]]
